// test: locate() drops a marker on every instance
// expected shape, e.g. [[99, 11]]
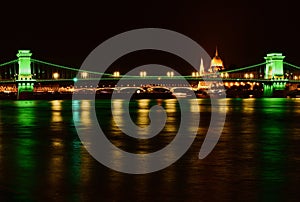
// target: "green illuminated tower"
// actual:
[[25, 81], [274, 73], [274, 66]]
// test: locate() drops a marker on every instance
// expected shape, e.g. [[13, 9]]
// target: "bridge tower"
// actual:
[[274, 66], [24, 81], [274, 73]]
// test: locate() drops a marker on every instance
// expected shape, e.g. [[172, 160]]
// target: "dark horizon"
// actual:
[[244, 32]]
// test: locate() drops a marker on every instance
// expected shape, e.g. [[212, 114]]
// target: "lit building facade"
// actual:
[[216, 63]]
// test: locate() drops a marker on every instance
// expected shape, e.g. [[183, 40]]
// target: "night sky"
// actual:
[[244, 32]]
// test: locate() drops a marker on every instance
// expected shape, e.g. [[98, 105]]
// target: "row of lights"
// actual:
[[247, 76], [195, 74], [116, 74], [294, 77], [238, 84], [251, 76], [143, 74], [225, 75], [170, 74], [84, 75]]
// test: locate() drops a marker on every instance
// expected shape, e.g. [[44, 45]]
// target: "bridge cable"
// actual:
[[69, 68], [7, 63], [244, 68], [291, 65]]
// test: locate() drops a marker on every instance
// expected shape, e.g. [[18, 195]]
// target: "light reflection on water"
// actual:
[[257, 157], [56, 118]]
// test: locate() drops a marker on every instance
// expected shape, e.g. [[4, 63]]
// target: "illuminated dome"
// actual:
[[216, 63]]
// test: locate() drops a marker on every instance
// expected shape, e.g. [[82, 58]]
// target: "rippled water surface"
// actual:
[[256, 158]]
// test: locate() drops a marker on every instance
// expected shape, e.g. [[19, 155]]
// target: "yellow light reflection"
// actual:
[[143, 113], [170, 105], [143, 103], [117, 109], [56, 111], [296, 109], [56, 164], [85, 112], [194, 106], [117, 158], [248, 106], [57, 143]]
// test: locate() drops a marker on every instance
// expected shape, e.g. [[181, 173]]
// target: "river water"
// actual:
[[257, 157]]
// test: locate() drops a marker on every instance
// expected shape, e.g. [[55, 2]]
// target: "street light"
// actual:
[[116, 74], [84, 75], [195, 74], [55, 75], [143, 74], [170, 74]]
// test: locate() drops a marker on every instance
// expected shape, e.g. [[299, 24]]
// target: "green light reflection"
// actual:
[[25, 152], [273, 156]]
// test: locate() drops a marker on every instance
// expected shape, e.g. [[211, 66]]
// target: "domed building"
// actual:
[[216, 63]]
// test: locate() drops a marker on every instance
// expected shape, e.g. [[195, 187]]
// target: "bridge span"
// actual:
[[26, 75]]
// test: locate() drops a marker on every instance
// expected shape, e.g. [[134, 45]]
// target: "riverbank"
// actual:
[[58, 96], [145, 95]]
